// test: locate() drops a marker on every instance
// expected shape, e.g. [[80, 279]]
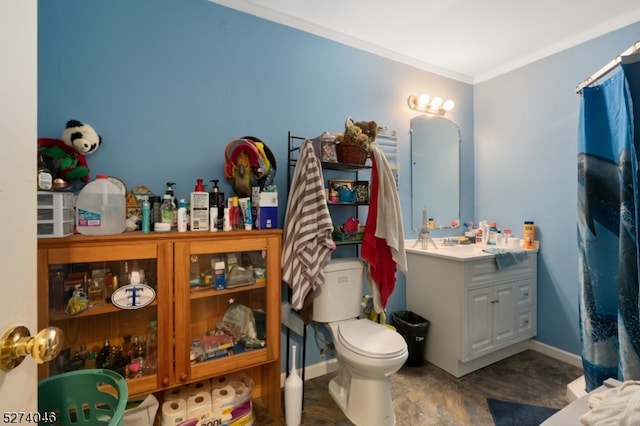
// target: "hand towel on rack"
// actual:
[[383, 243], [307, 232]]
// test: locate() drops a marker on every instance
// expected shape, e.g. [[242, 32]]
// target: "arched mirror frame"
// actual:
[[435, 170]]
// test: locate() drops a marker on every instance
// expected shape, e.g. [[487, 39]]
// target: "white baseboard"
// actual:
[[556, 353], [315, 370]]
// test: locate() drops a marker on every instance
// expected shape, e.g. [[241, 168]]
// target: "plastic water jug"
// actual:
[[100, 208]]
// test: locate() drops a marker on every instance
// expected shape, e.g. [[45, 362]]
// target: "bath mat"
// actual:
[[507, 413]]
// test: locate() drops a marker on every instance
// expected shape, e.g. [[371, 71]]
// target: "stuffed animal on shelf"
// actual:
[[249, 163], [66, 157]]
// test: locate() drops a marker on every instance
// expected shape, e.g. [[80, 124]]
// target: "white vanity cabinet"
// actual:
[[478, 314]]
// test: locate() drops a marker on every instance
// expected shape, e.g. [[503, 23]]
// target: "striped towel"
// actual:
[[307, 231]]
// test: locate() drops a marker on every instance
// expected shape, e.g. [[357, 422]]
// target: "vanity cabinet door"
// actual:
[[480, 325], [491, 318]]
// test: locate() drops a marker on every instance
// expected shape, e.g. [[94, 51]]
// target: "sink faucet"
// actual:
[[425, 238]]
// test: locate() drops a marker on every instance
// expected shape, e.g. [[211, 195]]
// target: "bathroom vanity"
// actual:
[[478, 314]]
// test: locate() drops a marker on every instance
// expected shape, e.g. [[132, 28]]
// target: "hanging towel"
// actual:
[[307, 232], [383, 242], [505, 259]]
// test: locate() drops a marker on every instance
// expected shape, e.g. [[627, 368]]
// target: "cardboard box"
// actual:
[[267, 210]]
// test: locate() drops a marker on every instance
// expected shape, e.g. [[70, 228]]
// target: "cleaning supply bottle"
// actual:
[[293, 394], [182, 216], [199, 208], [100, 208]]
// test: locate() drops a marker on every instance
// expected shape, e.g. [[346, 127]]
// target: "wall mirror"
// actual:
[[435, 170]]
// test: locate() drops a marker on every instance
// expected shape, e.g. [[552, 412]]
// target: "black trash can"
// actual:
[[414, 329]]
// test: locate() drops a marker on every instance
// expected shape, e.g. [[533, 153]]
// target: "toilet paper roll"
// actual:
[[201, 386], [175, 393], [223, 398], [199, 406], [174, 412]]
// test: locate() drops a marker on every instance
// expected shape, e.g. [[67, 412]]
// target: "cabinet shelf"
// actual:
[[92, 311], [212, 292]]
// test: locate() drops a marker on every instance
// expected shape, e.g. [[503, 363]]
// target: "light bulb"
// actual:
[[448, 105], [435, 103], [423, 100]]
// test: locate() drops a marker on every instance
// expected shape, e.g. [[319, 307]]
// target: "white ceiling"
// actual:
[[467, 40]]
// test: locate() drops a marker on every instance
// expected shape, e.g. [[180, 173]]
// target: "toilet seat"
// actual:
[[370, 339]]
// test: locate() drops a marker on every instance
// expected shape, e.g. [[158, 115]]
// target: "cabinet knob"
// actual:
[[526, 294], [184, 377], [495, 301], [165, 381], [17, 343]]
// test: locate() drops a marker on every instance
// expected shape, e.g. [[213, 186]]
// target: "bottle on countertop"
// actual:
[[199, 208], [168, 211], [100, 208], [213, 206], [146, 216], [479, 236], [182, 216], [493, 234], [529, 234]]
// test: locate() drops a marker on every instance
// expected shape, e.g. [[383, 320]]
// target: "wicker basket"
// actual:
[[351, 153]]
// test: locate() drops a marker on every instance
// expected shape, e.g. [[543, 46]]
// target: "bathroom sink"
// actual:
[[442, 249]]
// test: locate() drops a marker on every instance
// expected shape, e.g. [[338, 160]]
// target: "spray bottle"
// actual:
[[199, 208]]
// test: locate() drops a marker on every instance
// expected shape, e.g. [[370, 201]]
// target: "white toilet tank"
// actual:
[[340, 297]]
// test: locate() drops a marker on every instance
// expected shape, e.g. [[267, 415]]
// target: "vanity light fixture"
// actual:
[[424, 103]]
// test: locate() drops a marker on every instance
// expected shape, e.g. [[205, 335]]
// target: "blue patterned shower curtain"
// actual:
[[608, 232]]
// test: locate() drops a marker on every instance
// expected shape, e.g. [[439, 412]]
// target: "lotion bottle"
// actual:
[[199, 208], [182, 216]]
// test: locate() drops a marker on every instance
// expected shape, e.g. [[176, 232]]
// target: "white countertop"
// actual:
[[460, 252]]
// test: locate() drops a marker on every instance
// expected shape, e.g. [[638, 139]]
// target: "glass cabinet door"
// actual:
[[108, 302], [224, 288]]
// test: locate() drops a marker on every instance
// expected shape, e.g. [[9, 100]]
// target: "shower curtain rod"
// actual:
[[607, 68]]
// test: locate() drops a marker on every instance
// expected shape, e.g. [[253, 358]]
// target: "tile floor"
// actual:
[[427, 395]]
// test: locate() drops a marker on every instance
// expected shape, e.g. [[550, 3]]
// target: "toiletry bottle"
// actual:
[[102, 360], [146, 217], [493, 234], [169, 191], [168, 211], [96, 292], [182, 216], [479, 236], [213, 206], [529, 234], [199, 208], [155, 211]]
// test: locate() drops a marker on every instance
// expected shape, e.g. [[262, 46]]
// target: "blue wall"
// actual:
[[168, 83], [526, 126]]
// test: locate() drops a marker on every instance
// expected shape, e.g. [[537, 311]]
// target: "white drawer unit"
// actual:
[[478, 314], [56, 214]]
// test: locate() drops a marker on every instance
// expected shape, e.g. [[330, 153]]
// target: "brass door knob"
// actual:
[[17, 343]]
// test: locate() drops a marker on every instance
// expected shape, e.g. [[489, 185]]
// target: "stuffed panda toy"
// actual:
[[65, 157]]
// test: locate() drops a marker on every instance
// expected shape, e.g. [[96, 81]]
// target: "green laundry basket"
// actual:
[[84, 397]]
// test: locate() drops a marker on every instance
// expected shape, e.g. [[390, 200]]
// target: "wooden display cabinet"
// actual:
[[184, 311]]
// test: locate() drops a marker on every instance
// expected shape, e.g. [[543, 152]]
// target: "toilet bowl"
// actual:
[[367, 352]]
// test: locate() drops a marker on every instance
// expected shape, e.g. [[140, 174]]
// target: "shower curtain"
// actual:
[[608, 232]]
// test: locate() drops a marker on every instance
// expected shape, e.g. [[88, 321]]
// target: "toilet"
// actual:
[[367, 352]]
